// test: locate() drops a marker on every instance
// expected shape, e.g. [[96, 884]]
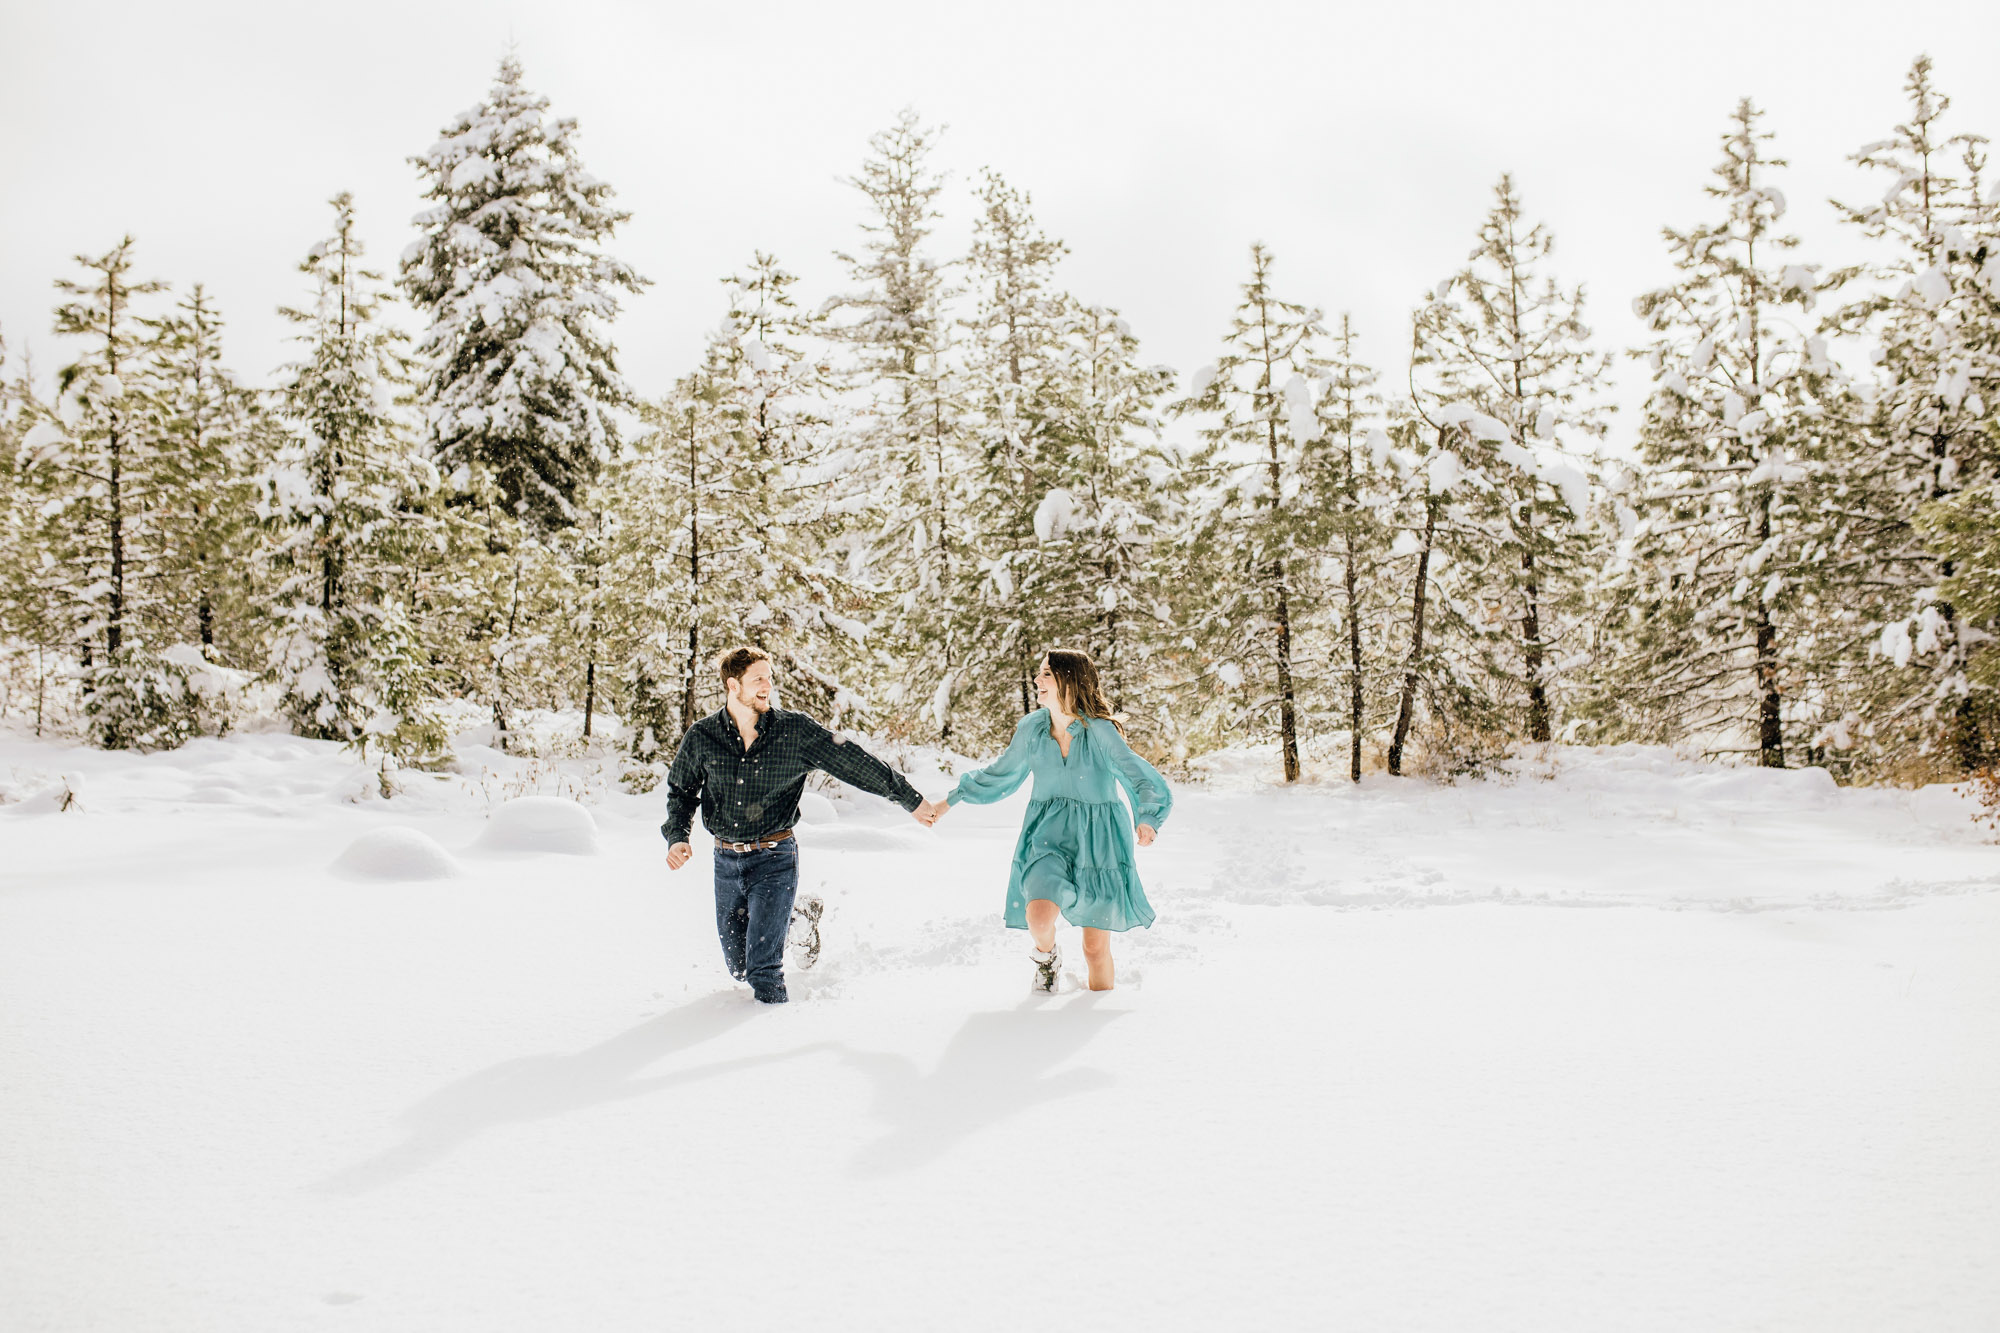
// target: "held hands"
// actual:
[[678, 854], [1145, 835], [930, 812]]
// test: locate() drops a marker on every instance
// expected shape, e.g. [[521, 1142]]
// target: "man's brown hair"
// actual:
[[736, 661]]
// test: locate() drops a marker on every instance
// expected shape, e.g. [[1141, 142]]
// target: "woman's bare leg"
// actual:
[[1096, 952], [1042, 917]]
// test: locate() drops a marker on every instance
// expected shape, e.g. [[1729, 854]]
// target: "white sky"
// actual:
[[1158, 140]]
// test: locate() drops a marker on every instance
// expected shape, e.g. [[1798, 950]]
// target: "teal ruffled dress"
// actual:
[[1076, 843]]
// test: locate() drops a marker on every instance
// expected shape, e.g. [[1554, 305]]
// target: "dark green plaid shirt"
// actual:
[[750, 795]]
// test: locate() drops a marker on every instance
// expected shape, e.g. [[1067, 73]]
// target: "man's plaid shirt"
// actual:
[[751, 795]]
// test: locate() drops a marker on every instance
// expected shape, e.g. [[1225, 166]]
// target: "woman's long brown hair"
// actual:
[[1077, 686]]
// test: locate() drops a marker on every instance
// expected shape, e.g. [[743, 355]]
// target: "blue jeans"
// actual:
[[753, 910]]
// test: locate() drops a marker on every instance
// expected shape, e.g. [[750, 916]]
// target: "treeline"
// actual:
[[909, 490]]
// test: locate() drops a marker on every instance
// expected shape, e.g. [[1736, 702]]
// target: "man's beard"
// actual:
[[759, 705]]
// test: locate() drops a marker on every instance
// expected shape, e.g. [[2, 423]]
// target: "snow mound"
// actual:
[[816, 809], [65, 795], [541, 824], [396, 854]]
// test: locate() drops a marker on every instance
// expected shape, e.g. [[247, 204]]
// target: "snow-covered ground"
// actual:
[[1622, 1042]]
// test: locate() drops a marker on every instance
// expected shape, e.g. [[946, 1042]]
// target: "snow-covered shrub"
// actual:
[[141, 700]]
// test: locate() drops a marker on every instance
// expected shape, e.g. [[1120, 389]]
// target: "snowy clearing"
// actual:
[[276, 1054]]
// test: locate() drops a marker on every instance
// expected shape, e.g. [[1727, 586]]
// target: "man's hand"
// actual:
[[678, 854], [1145, 835], [930, 812]]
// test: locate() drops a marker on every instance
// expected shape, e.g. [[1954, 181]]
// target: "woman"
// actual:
[[1075, 853]]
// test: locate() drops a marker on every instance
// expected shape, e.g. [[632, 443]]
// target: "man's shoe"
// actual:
[[1047, 967], [777, 996], [802, 941]]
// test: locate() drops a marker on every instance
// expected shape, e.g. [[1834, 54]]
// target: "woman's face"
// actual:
[[1047, 694]]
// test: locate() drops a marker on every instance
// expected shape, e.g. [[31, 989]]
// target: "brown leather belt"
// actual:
[[763, 846]]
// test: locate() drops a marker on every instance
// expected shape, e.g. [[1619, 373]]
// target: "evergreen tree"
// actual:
[[1017, 370], [1930, 314], [1267, 444], [105, 469], [34, 624], [1445, 688], [1357, 490], [212, 437], [1737, 524], [791, 494], [109, 464], [1508, 343], [519, 377], [681, 542], [1130, 498], [906, 427], [342, 531]]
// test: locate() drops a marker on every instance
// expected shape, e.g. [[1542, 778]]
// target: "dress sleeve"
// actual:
[[1151, 797], [1001, 778]]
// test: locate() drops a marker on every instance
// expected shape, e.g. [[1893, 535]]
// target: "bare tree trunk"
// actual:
[[1770, 700], [114, 626], [1288, 731], [1354, 660], [1406, 708], [1532, 651]]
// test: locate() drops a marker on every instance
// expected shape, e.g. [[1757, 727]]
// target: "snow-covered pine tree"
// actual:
[[212, 439], [1263, 450], [1929, 313], [101, 466], [1445, 699], [35, 628], [683, 560], [1507, 342], [1130, 496], [342, 532], [1016, 365], [1720, 586], [795, 495], [109, 461], [519, 378], [1357, 490], [906, 425]]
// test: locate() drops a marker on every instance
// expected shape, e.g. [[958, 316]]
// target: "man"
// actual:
[[745, 766]]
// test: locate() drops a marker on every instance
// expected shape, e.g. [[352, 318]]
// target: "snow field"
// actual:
[[1370, 1070]]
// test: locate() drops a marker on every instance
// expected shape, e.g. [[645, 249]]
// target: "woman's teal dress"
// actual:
[[1076, 843]]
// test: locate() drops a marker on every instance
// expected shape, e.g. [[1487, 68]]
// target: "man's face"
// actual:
[[753, 688]]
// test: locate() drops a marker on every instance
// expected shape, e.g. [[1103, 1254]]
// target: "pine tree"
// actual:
[[212, 440], [1445, 695], [906, 427], [1507, 344], [519, 380], [34, 626], [341, 527], [1357, 490], [1737, 524], [681, 544], [1018, 368], [791, 492], [1130, 497], [110, 465], [105, 469], [1930, 313], [1265, 446]]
